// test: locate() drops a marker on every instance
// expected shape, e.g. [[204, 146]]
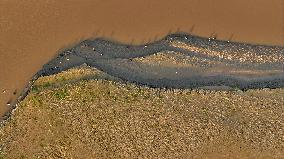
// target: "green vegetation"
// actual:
[[36, 99], [61, 94], [1, 155]]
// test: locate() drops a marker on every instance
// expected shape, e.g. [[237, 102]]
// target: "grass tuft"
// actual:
[[61, 94]]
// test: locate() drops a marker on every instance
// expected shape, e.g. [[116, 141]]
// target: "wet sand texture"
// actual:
[[217, 63], [178, 61], [32, 32]]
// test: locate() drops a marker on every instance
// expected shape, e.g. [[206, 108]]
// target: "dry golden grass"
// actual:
[[67, 117]]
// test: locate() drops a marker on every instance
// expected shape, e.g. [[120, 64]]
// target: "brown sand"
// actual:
[[31, 32]]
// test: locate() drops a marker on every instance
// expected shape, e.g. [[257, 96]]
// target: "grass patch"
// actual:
[[36, 100], [38, 88], [45, 85], [61, 94], [35, 89], [65, 119]]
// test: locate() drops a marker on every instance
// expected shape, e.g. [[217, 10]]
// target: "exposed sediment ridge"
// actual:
[[213, 63], [224, 57]]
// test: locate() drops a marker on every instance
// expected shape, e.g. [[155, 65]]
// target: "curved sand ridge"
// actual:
[[234, 65], [177, 61]]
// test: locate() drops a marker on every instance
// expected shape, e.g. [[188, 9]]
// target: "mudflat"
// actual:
[[32, 32]]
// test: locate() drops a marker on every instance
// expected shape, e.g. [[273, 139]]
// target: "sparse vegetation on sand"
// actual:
[[85, 113]]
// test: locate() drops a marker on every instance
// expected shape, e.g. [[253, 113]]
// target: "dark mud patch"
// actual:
[[116, 60]]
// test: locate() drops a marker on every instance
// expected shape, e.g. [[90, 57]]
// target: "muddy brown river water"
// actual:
[[32, 32]]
